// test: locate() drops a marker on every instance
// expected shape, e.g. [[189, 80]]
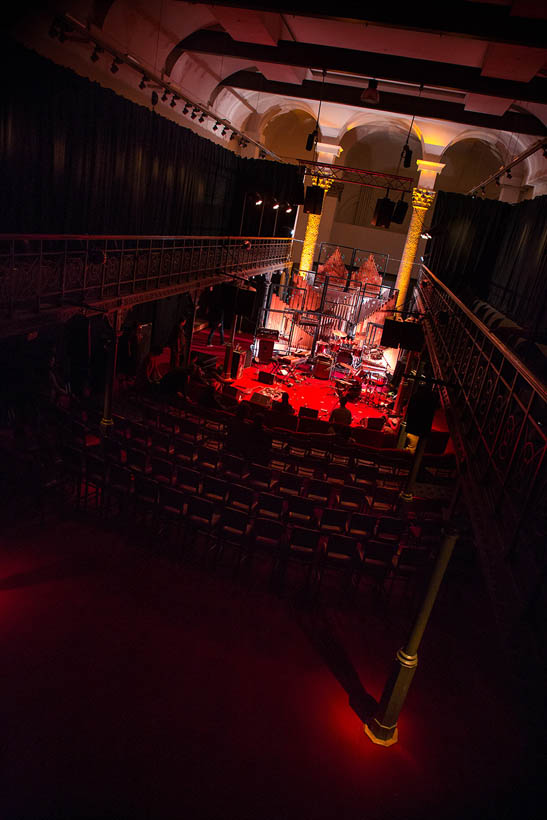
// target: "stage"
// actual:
[[318, 394]]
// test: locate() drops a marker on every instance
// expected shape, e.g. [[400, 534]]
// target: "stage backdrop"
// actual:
[[495, 251], [77, 158]]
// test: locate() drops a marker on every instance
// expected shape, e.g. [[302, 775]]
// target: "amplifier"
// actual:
[[261, 399], [265, 350], [240, 360], [267, 333]]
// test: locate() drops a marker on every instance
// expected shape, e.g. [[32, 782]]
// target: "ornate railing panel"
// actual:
[[41, 272], [500, 409]]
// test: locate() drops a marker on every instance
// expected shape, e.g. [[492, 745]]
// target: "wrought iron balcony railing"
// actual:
[[499, 409], [39, 272]]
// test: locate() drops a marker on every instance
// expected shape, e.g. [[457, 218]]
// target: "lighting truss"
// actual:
[[357, 176]]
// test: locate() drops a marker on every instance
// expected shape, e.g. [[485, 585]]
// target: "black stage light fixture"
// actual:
[[509, 174], [224, 131], [186, 108], [95, 56], [399, 212], [202, 118], [312, 137], [116, 63], [498, 181], [258, 200], [407, 156], [262, 155], [288, 208], [142, 83], [275, 206], [155, 98], [233, 135], [195, 112], [371, 94], [215, 126], [164, 95], [173, 102], [383, 212]]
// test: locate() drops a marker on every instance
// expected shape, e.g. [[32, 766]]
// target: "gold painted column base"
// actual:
[[376, 737], [382, 728]]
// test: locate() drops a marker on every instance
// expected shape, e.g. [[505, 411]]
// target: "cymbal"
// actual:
[[338, 333]]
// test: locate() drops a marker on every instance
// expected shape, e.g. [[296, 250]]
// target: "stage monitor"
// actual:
[[308, 412]]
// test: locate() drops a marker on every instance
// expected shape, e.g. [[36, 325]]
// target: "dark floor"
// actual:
[[135, 685]]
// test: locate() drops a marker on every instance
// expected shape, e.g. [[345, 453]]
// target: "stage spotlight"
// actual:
[[174, 100], [370, 94], [164, 95], [224, 131], [310, 142], [142, 84], [509, 174], [95, 56], [202, 118], [288, 209], [407, 156], [275, 206], [186, 108], [116, 63], [544, 149], [242, 142], [498, 181], [216, 125], [258, 200], [262, 155], [233, 135], [155, 98], [195, 112]]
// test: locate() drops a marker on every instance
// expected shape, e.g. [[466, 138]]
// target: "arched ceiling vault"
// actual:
[[476, 70]]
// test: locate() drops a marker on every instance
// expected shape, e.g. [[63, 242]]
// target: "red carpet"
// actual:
[[134, 686]]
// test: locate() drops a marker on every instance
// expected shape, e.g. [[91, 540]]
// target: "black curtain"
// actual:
[[494, 251], [466, 234], [77, 158]]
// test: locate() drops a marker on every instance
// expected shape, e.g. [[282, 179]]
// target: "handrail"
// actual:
[[87, 236], [527, 374]]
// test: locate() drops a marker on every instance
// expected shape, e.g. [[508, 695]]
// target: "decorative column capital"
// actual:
[[322, 182], [422, 198]]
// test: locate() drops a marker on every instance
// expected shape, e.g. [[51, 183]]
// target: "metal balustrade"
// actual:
[[499, 409], [39, 272]]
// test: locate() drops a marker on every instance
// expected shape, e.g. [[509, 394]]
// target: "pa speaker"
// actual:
[[412, 337], [391, 334], [399, 212], [421, 410], [313, 201], [383, 212]]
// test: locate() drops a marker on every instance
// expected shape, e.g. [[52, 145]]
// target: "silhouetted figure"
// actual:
[[216, 315], [178, 344], [341, 414]]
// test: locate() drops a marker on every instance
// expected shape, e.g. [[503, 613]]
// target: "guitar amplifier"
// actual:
[[265, 350], [240, 360], [261, 400]]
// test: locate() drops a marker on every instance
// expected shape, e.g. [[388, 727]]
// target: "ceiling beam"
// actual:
[[486, 21], [395, 103], [368, 64]]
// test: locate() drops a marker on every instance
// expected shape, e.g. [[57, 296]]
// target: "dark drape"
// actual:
[[494, 251], [77, 158], [466, 234]]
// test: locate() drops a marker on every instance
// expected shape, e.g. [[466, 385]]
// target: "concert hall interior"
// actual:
[[273, 418]]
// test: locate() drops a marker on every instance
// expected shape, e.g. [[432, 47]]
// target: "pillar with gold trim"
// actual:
[[422, 198]]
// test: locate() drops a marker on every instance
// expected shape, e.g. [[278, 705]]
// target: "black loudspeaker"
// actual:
[[413, 336], [421, 410], [313, 201], [308, 412], [383, 212], [265, 377], [265, 350], [391, 334], [399, 212]]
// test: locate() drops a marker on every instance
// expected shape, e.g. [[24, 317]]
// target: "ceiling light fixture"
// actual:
[[275, 206], [258, 200], [186, 108], [216, 125], [288, 209], [224, 131], [233, 135], [509, 174], [95, 56], [195, 112], [142, 84], [313, 136], [370, 94], [202, 118], [116, 63], [164, 95], [174, 100]]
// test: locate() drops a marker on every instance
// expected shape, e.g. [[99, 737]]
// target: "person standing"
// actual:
[[179, 345], [216, 316]]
